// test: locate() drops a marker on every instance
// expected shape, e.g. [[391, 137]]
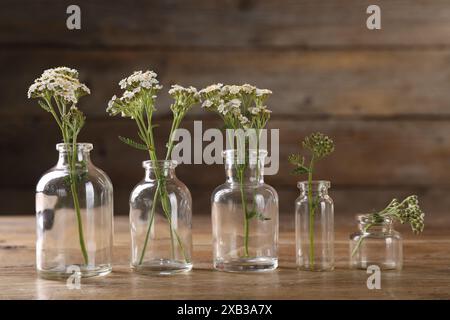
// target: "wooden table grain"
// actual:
[[426, 273]]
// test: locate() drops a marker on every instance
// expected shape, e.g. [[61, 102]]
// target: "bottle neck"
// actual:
[[78, 156], [367, 224], [315, 188], [248, 169], [157, 170], [244, 174]]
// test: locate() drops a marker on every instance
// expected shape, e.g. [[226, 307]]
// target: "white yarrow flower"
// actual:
[[248, 89], [243, 119], [128, 95], [262, 92], [111, 103], [145, 80], [233, 89], [254, 110], [211, 88], [235, 103], [222, 108], [61, 82], [264, 109], [207, 104]]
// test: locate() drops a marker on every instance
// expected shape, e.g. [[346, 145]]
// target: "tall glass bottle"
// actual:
[[245, 216], [314, 228], [161, 221], [74, 217]]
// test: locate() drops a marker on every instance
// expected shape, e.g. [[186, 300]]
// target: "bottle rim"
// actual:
[[315, 184], [235, 153], [81, 146], [366, 218], [163, 164]]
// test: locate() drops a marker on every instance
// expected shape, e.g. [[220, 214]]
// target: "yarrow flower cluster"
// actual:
[[140, 91], [239, 106], [58, 90], [184, 98], [60, 83], [145, 80], [407, 211], [138, 102], [319, 144]]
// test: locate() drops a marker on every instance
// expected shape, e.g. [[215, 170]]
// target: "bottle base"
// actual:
[[316, 268], [162, 267], [81, 270], [363, 265], [247, 265]]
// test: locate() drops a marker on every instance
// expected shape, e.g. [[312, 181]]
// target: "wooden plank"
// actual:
[[378, 160], [318, 84], [348, 202], [425, 265], [368, 153], [234, 23]]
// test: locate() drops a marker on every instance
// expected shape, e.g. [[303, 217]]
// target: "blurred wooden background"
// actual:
[[383, 95]]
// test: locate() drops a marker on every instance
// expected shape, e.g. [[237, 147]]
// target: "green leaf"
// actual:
[[299, 162], [252, 214], [300, 170], [133, 144], [261, 217], [67, 181]]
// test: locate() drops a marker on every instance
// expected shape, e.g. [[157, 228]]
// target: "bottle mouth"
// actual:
[[161, 164], [238, 156], [81, 146], [367, 218], [316, 185]]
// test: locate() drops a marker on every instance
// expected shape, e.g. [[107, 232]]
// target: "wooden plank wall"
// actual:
[[383, 95]]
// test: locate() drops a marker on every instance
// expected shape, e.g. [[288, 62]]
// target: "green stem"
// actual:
[[164, 195], [58, 121], [360, 240], [73, 188], [76, 203], [240, 173], [161, 189], [167, 212], [311, 215], [150, 223], [71, 158]]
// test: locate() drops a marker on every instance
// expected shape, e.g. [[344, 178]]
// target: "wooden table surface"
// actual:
[[426, 273]]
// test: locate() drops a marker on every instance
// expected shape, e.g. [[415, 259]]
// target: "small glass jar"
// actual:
[[376, 243], [245, 216], [161, 221], [74, 217], [314, 229]]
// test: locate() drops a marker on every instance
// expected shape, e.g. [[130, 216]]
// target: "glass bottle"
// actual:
[[245, 216], [376, 243], [74, 217], [314, 231], [161, 221]]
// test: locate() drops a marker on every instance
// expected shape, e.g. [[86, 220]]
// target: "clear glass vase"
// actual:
[[314, 229], [245, 216], [74, 216], [376, 243], [161, 221]]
